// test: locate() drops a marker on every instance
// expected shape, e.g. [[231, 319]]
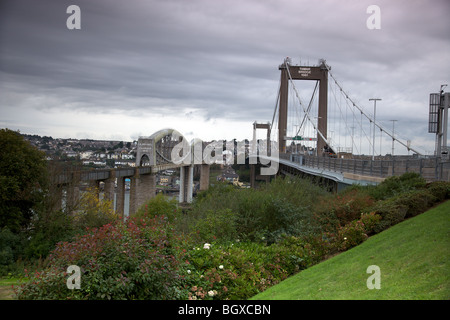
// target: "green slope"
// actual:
[[413, 257]]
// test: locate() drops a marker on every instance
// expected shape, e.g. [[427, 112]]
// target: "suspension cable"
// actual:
[[309, 107], [369, 117], [276, 105]]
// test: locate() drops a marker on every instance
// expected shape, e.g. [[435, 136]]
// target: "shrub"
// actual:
[[92, 211], [250, 206], [281, 218], [439, 189], [350, 235], [298, 192], [158, 206], [404, 205], [47, 230], [23, 180], [225, 269], [280, 208], [220, 195], [396, 185], [348, 205], [297, 255], [354, 232], [326, 221], [10, 246], [417, 201], [133, 260], [319, 246], [218, 224], [240, 270], [369, 221], [258, 215], [391, 212]]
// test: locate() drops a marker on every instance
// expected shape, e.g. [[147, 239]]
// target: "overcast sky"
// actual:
[[209, 68]]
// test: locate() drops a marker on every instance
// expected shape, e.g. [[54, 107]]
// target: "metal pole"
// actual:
[[393, 135], [440, 128], [445, 121], [374, 116]]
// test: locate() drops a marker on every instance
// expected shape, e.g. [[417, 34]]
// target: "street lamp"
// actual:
[[374, 115], [393, 135]]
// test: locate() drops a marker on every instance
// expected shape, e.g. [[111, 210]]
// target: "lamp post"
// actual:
[[393, 135], [295, 135], [374, 115]]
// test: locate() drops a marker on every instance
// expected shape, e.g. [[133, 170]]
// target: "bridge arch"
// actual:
[[159, 147]]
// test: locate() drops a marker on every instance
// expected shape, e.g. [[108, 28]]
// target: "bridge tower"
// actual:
[[145, 148], [317, 73]]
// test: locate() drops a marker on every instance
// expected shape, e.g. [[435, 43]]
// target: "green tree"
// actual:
[[93, 212], [23, 180]]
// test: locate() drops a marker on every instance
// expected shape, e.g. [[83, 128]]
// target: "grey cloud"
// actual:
[[219, 58]]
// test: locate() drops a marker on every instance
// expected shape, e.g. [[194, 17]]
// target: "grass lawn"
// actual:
[[6, 292], [413, 257]]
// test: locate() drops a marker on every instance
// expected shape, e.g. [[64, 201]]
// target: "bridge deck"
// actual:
[[104, 174], [363, 171], [372, 171]]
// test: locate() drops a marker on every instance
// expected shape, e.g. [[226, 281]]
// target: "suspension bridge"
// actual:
[[332, 141], [331, 137]]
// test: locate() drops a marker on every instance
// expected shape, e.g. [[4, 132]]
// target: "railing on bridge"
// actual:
[[432, 169], [104, 174]]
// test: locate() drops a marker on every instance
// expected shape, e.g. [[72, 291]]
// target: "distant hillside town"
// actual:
[[119, 154], [94, 153]]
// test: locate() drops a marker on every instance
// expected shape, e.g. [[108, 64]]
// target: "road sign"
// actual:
[[300, 138]]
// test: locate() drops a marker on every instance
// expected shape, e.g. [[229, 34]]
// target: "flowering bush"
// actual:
[[138, 259], [239, 270], [356, 231], [370, 220], [348, 205], [350, 235]]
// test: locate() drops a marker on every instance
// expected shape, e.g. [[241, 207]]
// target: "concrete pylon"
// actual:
[[120, 197], [110, 184], [72, 199], [142, 188], [186, 184], [204, 177]]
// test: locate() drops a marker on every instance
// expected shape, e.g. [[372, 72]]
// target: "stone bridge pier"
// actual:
[[186, 184], [204, 177], [154, 154], [142, 189]]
